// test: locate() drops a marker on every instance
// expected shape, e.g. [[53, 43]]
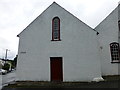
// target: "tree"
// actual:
[[6, 66], [15, 61]]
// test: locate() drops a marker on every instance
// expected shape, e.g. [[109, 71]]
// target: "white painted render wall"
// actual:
[[78, 47], [119, 35], [108, 33]]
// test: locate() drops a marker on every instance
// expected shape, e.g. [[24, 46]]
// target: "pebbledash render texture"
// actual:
[[57, 46]]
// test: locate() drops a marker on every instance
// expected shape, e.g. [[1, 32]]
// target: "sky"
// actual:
[[15, 15]]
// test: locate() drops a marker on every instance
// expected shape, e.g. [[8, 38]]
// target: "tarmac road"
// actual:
[[104, 84]]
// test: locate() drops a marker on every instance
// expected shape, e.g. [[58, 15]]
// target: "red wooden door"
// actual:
[[56, 69]]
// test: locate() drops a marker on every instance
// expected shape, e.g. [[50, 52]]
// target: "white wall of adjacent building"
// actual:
[[108, 33]]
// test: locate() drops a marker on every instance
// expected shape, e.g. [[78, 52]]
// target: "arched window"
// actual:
[[56, 29], [115, 55]]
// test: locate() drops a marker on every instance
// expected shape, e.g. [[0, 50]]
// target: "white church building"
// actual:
[[57, 46]]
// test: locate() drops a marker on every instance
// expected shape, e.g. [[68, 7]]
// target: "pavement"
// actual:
[[103, 84], [110, 82], [7, 79]]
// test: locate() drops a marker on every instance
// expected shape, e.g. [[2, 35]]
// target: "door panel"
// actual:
[[56, 69]]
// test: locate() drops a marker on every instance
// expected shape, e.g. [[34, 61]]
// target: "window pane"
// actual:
[[56, 23], [114, 51]]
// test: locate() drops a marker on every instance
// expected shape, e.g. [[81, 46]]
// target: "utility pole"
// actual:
[[6, 55]]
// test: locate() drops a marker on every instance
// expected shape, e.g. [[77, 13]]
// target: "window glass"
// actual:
[[56, 29], [114, 47]]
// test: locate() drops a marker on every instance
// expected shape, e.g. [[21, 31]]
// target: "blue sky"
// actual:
[[15, 15]]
